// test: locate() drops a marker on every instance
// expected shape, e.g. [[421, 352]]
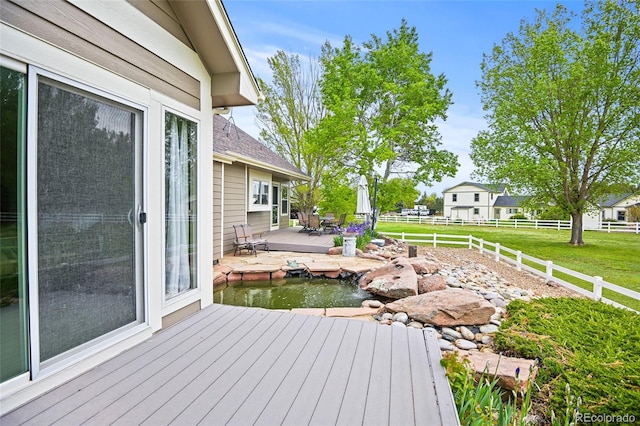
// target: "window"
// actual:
[[181, 138], [476, 197], [476, 211], [285, 201], [621, 215], [260, 192], [259, 197], [454, 197]]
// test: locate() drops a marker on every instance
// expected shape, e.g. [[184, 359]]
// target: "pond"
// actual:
[[292, 293]]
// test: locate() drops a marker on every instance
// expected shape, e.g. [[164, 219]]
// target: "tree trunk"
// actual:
[[576, 229]]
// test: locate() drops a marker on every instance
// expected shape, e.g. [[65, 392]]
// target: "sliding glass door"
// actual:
[[13, 280], [89, 277]]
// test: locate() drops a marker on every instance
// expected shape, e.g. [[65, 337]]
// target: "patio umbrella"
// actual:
[[364, 205]]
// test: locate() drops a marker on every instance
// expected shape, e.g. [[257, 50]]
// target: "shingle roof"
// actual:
[[612, 200], [229, 139], [509, 201], [487, 187]]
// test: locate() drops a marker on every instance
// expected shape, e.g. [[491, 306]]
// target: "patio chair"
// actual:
[[314, 224], [335, 224], [304, 221], [245, 241]]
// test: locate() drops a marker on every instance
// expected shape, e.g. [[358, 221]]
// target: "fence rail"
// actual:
[[546, 268], [632, 227]]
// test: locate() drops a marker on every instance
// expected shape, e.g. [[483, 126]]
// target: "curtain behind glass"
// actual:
[[180, 163]]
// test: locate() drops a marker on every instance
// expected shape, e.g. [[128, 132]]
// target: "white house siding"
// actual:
[[112, 49], [466, 198]]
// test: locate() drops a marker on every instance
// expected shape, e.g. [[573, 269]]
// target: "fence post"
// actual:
[[637, 227], [497, 221], [402, 238], [435, 244], [481, 245], [536, 224], [570, 225], [608, 227], [515, 222], [549, 270], [497, 252], [597, 288], [470, 241], [519, 260]]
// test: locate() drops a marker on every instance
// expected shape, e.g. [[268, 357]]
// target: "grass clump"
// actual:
[[586, 349]]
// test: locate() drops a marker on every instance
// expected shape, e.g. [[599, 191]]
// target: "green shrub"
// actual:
[[518, 216], [587, 346]]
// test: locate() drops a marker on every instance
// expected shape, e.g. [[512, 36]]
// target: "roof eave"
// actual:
[[209, 29]]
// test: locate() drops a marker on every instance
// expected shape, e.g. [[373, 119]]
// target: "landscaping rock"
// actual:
[[334, 251], [423, 266], [488, 329], [445, 308], [395, 281], [466, 333], [445, 345], [506, 369], [465, 344], [446, 331], [401, 317], [431, 283]]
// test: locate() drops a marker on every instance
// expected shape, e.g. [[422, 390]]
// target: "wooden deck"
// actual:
[[290, 239], [242, 366]]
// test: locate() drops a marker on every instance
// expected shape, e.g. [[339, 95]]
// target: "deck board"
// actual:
[[377, 405], [239, 366], [328, 406]]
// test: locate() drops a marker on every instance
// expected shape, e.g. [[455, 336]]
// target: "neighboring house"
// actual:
[[251, 184], [107, 129], [473, 201], [614, 207]]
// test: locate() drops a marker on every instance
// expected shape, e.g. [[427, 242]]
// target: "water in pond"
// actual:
[[292, 293]]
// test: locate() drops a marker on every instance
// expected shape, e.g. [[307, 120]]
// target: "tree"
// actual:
[[563, 103], [396, 191], [383, 100], [292, 107]]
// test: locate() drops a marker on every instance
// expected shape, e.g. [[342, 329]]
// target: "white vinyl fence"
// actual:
[[633, 227], [517, 258]]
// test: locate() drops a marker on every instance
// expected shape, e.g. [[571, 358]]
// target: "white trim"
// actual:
[[262, 178], [222, 211], [12, 64], [269, 167]]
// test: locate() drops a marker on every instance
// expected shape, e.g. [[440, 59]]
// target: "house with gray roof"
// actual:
[[477, 201], [611, 208], [251, 184]]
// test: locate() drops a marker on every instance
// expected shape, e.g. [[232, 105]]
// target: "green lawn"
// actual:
[[615, 256]]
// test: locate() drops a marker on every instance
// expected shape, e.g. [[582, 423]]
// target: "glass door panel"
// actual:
[[275, 206], [87, 217], [13, 282]]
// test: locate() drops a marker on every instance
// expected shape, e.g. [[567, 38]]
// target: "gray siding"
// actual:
[[235, 204], [217, 210], [259, 221], [70, 28]]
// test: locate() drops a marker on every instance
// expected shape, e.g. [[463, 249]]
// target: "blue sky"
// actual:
[[457, 33]]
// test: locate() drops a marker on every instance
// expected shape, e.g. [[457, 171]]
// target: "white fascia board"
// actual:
[[248, 83], [256, 163], [224, 158]]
